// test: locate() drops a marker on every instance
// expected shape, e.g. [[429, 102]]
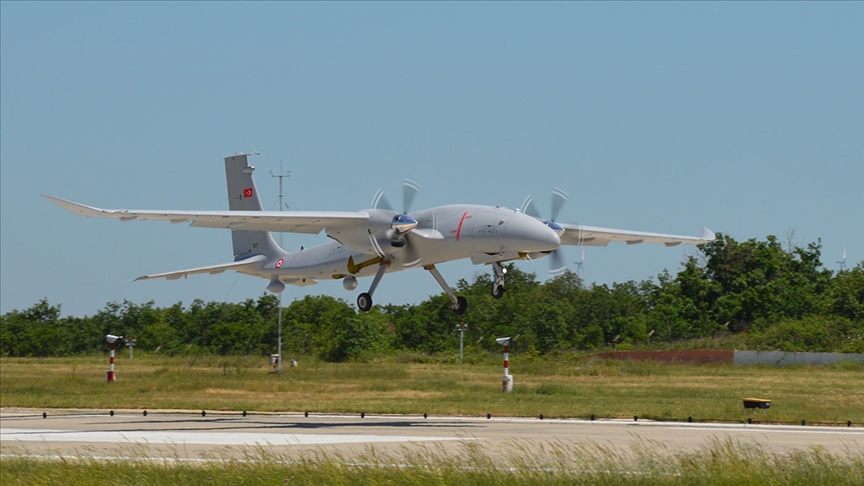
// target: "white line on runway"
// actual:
[[208, 438], [766, 430]]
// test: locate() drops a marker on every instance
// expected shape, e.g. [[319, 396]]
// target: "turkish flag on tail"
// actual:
[[247, 192]]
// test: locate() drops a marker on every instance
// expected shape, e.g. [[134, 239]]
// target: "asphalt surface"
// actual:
[[189, 435]]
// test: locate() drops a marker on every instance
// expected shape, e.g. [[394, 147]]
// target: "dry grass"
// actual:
[[719, 462], [555, 387]]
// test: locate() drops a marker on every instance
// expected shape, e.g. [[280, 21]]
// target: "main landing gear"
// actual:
[[498, 286], [364, 300], [459, 302]]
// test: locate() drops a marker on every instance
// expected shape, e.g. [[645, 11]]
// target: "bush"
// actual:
[[810, 334]]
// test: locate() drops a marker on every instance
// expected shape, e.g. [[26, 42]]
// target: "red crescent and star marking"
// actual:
[[247, 192], [279, 263]]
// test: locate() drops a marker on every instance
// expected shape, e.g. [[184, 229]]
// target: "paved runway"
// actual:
[[188, 435]]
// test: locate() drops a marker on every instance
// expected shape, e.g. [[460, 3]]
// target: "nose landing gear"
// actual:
[[498, 286]]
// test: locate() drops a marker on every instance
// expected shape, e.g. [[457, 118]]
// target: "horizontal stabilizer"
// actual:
[[212, 269]]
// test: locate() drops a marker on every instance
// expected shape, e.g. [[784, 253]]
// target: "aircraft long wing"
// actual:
[[310, 222], [212, 269], [576, 234]]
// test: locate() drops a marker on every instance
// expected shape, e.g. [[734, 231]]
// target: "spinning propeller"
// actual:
[[557, 264], [402, 224], [409, 192]]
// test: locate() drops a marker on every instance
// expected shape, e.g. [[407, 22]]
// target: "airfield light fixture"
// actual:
[[130, 343], [461, 327], [109, 375]]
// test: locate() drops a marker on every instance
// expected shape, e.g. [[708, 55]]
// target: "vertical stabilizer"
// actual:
[[243, 196]]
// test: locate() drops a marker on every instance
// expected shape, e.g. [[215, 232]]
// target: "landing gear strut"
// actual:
[[459, 303], [364, 300], [498, 286]]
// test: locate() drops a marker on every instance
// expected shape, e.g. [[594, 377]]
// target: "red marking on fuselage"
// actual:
[[279, 263], [459, 229]]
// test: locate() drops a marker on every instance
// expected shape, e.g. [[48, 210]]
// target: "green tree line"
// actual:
[[779, 299]]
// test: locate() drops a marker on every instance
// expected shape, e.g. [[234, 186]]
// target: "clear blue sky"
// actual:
[[747, 118]]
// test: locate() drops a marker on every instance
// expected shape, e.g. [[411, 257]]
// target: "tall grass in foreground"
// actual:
[[555, 386], [719, 462]]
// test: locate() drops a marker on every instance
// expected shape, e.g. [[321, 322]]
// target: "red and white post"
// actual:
[[109, 375], [507, 383], [506, 360]]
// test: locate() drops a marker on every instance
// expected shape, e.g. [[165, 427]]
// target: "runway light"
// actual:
[[488, 415], [145, 413], [848, 423], [111, 413], [244, 413], [425, 415], [803, 422], [592, 416], [203, 413], [541, 416], [635, 418], [690, 419], [44, 415], [307, 414]]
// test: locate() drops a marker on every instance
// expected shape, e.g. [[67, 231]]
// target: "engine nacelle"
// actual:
[[372, 236], [350, 283]]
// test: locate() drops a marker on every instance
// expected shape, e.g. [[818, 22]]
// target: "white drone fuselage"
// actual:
[[443, 234], [379, 240]]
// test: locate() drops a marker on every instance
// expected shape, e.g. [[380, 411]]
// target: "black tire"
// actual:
[[461, 305], [498, 291], [364, 302]]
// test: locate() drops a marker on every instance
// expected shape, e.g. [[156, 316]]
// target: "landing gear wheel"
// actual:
[[364, 302], [498, 291], [461, 305]]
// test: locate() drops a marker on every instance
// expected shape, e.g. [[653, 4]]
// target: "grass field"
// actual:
[[718, 463], [413, 384]]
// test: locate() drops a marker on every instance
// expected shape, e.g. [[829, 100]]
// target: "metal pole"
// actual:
[[279, 332], [279, 338], [461, 328]]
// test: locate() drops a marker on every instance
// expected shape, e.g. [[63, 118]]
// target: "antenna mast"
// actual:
[[280, 176]]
